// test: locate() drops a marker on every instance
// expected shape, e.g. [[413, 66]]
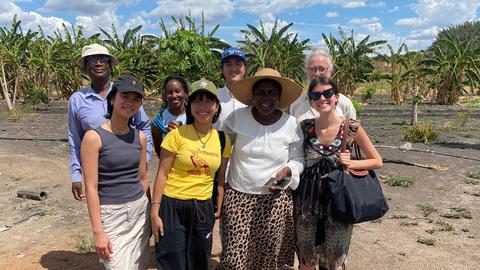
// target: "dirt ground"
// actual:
[[46, 235]]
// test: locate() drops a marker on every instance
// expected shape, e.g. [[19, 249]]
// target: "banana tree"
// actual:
[[352, 60], [396, 62], [14, 53], [281, 50], [452, 67]]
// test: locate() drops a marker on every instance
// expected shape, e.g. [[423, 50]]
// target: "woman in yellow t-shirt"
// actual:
[[182, 208]]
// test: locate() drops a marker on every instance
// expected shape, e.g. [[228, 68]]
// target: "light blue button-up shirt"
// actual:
[[86, 110]]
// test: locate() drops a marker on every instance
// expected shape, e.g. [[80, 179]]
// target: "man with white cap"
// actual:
[[320, 64], [87, 108]]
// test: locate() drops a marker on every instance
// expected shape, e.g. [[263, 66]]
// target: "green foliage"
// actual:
[[422, 132], [352, 60], [358, 107], [457, 213], [367, 93], [465, 33], [474, 102], [452, 65], [426, 209], [408, 223], [426, 241], [444, 226], [463, 117], [281, 50], [83, 243], [473, 174], [399, 181], [34, 97]]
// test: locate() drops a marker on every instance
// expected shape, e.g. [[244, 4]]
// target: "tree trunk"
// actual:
[[4, 84], [414, 119]]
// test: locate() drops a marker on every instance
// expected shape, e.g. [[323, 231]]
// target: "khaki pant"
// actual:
[[128, 227]]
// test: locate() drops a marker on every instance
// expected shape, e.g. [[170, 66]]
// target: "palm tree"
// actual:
[[281, 50], [352, 61], [452, 67]]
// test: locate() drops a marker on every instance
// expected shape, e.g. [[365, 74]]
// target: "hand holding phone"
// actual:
[[277, 186]]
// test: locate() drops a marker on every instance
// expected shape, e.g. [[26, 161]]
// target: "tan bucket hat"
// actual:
[[242, 90], [94, 49]]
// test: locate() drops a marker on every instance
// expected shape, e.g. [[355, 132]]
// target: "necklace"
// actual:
[[198, 135], [116, 132]]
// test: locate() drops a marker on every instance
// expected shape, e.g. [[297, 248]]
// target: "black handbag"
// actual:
[[356, 196]]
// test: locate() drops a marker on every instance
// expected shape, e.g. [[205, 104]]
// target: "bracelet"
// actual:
[[155, 203]]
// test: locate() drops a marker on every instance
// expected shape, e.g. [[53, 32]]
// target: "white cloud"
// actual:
[[440, 13], [213, 10], [278, 6], [371, 24], [86, 7], [394, 9], [379, 4], [411, 22], [30, 19], [332, 14]]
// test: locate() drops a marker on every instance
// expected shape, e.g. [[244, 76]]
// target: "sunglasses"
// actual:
[[316, 95], [92, 59]]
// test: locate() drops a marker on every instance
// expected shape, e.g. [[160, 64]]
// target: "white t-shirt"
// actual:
[[229, 104], [261, 151], [302, 110]]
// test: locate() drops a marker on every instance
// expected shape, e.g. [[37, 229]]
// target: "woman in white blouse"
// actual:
[[258, 229]]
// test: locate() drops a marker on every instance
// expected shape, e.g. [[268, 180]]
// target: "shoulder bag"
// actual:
[[356, 196]]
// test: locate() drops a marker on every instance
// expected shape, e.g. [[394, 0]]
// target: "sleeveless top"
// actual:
[[320, 159], [118, 173]]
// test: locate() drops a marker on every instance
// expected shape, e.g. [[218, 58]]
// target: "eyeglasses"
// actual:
[[319, 69], [92, 59], [316, 95]]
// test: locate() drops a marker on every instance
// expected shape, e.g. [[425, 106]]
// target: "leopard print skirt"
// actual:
[[258, 231]]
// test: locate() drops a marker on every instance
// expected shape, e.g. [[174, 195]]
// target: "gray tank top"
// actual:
[[118, 161]]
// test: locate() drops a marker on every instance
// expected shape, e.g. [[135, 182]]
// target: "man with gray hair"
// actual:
[[320, 64]]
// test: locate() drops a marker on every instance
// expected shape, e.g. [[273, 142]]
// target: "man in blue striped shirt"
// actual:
[[87, 109]]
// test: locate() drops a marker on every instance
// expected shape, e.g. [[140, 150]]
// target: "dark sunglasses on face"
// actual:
[[316, 95], [92, 59]]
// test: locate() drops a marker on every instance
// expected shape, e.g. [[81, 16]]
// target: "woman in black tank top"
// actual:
[[114, 167]]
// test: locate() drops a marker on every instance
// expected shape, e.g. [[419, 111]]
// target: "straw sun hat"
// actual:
[[243, 92], [94, 49]]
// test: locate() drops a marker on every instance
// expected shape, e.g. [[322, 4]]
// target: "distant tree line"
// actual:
[[37, 67]]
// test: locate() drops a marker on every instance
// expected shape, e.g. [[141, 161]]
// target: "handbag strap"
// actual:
[[346, 126]]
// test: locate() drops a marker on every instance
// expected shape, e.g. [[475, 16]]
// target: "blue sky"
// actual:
[[415, 22]]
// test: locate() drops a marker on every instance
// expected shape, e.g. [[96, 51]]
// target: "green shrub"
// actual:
[[36, 96], [358, 107], [422, 132], [457, 213], [463, 117], [473, 174], [367, 93], [83, 243], [399, 181], [426, 209], [426, 241]]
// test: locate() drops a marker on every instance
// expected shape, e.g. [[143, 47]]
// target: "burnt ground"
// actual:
[[47, 234]]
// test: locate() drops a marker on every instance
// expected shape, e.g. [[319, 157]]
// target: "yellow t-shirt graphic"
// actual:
[[195, 163]]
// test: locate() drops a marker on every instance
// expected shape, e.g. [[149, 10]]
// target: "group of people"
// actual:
[[222, 155]]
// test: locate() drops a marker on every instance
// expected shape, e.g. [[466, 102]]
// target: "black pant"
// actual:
[[187, 240]]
